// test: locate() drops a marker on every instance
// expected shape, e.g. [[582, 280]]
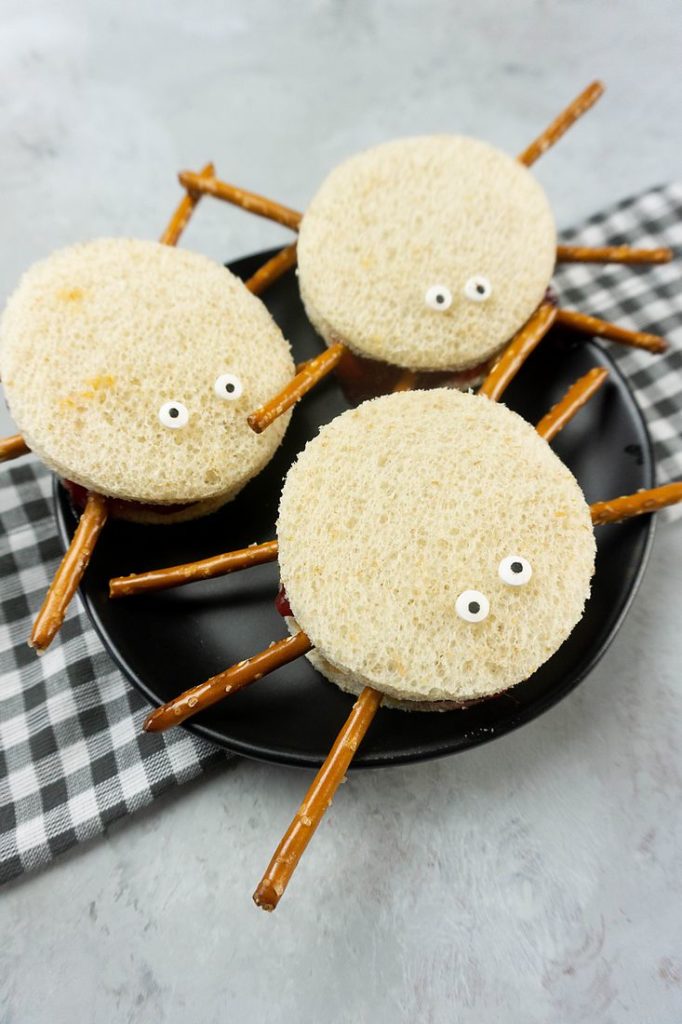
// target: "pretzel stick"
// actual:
[[272, 270], [12, 447], [70, 572], [200, 697], [183, 212], [593, 325], [307, 377], [635, 504], [206, 569], [405, 381], [575, 398], [611, 254], [580, 105], [204, 184], [517, 351], [316, 801]]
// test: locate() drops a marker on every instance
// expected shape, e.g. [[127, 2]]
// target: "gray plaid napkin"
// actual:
[[73, 756], [646, 298]]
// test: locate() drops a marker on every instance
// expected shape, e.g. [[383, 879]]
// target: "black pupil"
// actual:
[[516, 567], [480, 288], [173, 412], [440, 297], [474, 607], [229, 388]]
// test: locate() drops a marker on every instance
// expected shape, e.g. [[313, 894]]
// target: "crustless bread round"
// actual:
[[400, 507], [392, 227], [105, 346]]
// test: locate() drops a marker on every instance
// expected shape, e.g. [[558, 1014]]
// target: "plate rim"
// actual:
[[456, 746]]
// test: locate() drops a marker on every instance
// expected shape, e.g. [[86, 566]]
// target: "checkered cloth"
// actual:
[[73, 756], [646, 298]]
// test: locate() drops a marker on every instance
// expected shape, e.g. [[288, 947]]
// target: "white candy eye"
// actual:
[[515, 570], [438, 297], [229, 387], [472, 606], [478, 288], [174, 415]]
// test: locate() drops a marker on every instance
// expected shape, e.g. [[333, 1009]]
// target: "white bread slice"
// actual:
[[391, 222], [98, 337], [399, 506]]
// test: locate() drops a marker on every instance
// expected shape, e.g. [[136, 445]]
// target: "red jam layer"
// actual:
[[282, 603]]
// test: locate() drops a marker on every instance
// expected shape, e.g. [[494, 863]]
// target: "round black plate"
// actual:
[[167, 642]]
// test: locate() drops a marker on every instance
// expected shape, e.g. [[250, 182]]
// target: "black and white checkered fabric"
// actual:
[[646, 298], [73, 756]]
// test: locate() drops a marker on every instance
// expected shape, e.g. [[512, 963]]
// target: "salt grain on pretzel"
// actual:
[[516, 353], [184, 211], [611, 254], [574, 399], [317, 800], [271, 271], [203, 184], [617, 509], [198, 698], [560, 125], [179, 575], [604, 329], [308, 376]]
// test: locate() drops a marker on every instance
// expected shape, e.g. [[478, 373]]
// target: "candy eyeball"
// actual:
[[472, 606], [478, 288], [173, 415], [438, 297], [228, 387], [515, 570]]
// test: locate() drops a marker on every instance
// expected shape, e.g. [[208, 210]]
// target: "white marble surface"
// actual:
[[536, 879]]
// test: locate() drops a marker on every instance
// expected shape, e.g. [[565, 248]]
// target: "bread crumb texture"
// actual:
[[399, 506], [99, 336], [391, 223]]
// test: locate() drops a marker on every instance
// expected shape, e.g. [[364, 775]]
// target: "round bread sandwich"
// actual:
[[428, 253], [421, 259], [130, 368], [434, 548]]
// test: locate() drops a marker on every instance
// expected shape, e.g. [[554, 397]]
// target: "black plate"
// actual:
[[167, 642]]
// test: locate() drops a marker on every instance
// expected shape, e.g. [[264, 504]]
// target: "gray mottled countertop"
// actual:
[[535, 879]]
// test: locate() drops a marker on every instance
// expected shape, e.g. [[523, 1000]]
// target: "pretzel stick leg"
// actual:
[[317, 800], [575, 398], [611, 254], [604, 329], [406, 381], [517, 351], [307, 377], [200, 697], [69, 573], [266, 275], [183, 212], [12, 447], [580, 105], [209, 185], [636, 504], [206, 569]]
